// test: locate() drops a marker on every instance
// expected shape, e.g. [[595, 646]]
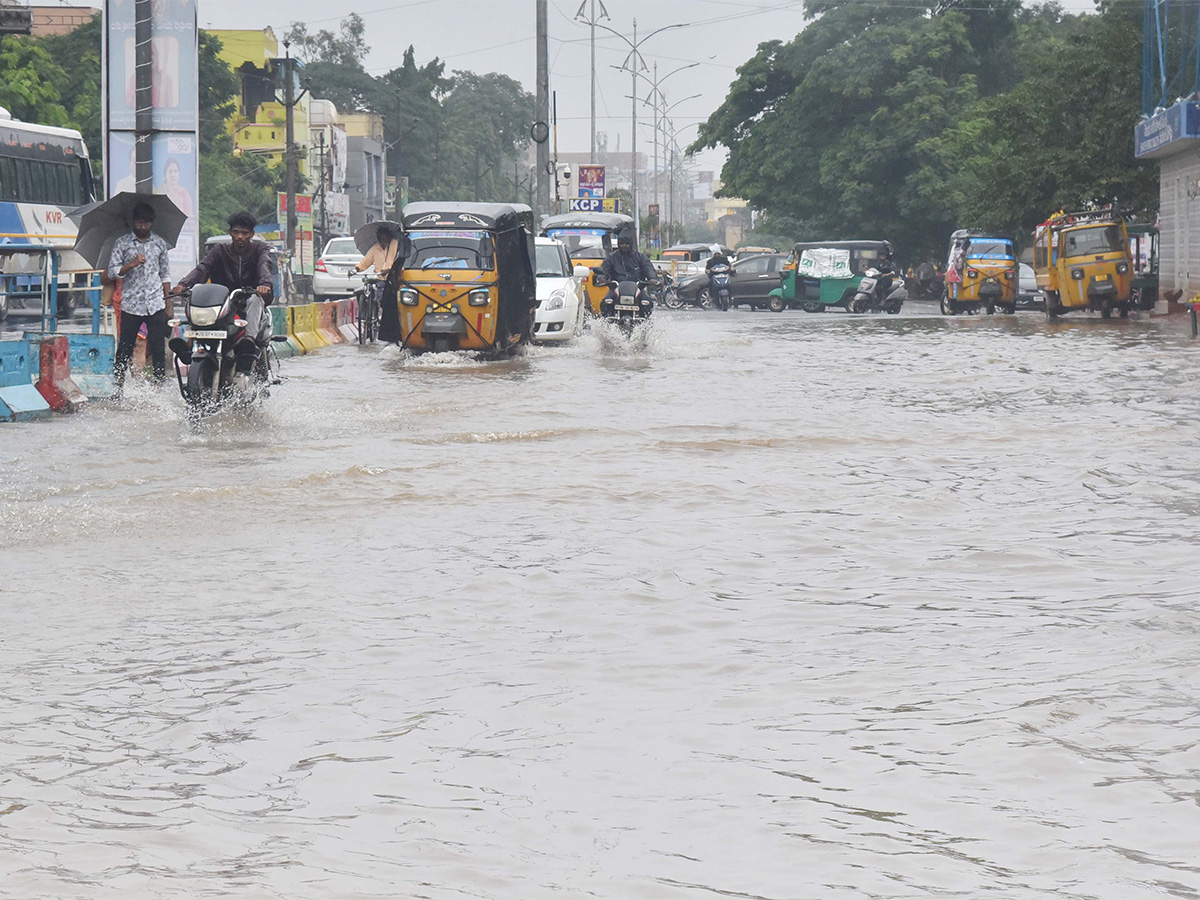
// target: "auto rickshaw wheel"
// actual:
[[812, 306], [947, 306], [1124, 309], [1051, 306], [991, 309], [775, 304], [439, 344], [1105, 310]]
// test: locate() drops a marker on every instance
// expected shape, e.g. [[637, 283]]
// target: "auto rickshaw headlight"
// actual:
[[1122, 268], [972, 273], [479, 297], [408, 297], [1077, 274]]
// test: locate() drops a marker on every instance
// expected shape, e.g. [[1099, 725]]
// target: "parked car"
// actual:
[[1028, 295], [331, 279], [743, 252], [754, 277], [559, 315]]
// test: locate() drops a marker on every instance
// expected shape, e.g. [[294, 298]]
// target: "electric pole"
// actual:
[[543, 107], [143, 87], [289, 103]]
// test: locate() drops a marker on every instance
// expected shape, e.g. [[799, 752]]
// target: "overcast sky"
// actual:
[[498, 36]]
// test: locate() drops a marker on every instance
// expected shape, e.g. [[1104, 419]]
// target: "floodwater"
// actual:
[[770, 606]]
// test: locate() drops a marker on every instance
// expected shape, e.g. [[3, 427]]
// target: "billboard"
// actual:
[[591, 181], [173, 49], [174, 94], [589, 204]]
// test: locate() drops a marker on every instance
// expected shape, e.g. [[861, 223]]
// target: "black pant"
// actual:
[[156, 343]]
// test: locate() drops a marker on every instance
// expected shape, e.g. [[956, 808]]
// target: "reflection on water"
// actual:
[[815, 606]]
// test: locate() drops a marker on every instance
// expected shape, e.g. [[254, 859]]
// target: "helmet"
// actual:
[[624, 236], [716, 249]]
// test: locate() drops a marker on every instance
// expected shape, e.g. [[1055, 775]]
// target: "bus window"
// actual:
[[8, 179]]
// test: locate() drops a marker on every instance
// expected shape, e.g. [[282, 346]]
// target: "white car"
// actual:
[[559, 315], [330, 273]]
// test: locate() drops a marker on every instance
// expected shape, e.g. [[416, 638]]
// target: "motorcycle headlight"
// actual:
[[1077, 274], [1122, 268], [557, 300], [203, 315], [408, 297], [479, 297]]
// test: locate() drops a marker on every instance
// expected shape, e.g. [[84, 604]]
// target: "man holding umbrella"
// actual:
[[139, 259]]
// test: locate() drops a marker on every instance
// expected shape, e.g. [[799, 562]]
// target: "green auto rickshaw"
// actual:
[[821, 274]]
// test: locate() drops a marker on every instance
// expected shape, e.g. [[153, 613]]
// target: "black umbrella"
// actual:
[[102, 222], [364, 235]]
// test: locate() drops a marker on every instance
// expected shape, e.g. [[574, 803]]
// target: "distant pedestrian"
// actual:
[[139, 260]]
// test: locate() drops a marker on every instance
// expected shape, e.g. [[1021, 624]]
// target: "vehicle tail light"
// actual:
[[320, 266]]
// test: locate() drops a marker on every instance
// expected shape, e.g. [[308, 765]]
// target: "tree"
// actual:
[[346, 48], [832, 129]]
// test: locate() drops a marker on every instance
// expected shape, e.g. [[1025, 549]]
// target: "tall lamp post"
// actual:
[[660, 98], [592, 20], [633, 62]]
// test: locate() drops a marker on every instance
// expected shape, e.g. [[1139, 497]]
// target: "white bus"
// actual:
[[45, 173]]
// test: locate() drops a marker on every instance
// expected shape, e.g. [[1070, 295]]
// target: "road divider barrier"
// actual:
[[279, 328], [347, 318], [304, 327], [326, 324], [19, 399], [91, 357], [54, 377]]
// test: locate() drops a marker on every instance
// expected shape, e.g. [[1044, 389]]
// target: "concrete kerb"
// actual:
[[19, 399], [304, 327], [326, 323]]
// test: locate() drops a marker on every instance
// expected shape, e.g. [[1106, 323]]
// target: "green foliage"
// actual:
[[219, 88], [229, 184], [346, 48], [33, 84], [894, 121], [81, 88]]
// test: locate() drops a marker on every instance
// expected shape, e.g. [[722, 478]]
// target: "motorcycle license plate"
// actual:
[[627, 308], [211, 333]]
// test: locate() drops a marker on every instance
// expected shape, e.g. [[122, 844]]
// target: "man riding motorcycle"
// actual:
[[243, 262], [718, 258], [625, 264]]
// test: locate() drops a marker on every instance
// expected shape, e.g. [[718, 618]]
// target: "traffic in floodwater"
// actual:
[[760, 605]]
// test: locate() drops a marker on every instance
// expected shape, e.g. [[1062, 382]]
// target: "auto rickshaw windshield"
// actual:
[[989, 247], [581, 243], [451, 250], [1088, 241]]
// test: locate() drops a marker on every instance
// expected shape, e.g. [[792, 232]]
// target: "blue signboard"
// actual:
[[1154, 137]]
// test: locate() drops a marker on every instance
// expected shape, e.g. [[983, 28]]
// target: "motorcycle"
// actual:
[[718, 285], [867, 298], [631, 305], [206, 356]]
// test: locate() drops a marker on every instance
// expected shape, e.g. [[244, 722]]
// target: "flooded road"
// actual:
[[777, 606]]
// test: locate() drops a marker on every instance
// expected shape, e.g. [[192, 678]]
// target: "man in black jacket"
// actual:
[[625, 264], [243, 262]]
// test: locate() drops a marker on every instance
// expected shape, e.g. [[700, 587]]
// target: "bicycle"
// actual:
[[368, 309]]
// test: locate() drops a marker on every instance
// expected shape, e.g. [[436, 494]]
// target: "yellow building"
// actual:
[[258, 125]]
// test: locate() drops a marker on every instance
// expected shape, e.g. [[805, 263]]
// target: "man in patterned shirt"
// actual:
[[139, 259]]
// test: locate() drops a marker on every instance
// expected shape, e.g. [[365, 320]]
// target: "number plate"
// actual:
[[627, 308], [1102, 277], [212, 333]]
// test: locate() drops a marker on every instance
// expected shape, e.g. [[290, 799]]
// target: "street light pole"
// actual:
[[633, 62], [289, 151], [591, 21]]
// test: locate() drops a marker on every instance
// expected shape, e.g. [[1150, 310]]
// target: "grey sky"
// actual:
[[498, 36]]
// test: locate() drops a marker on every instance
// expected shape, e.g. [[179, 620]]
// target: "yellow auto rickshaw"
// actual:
[[468, 277], [589, 238], [1082, 261], [981, 271]]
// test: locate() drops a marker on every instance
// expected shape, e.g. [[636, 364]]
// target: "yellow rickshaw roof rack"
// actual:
[[1101, 216]]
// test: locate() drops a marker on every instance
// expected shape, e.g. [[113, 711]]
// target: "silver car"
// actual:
[[1028, 295], [331, 271]]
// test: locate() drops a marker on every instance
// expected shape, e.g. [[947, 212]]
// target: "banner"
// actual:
[[302, 263], [830, 263], [591, 181], [586, 204]]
